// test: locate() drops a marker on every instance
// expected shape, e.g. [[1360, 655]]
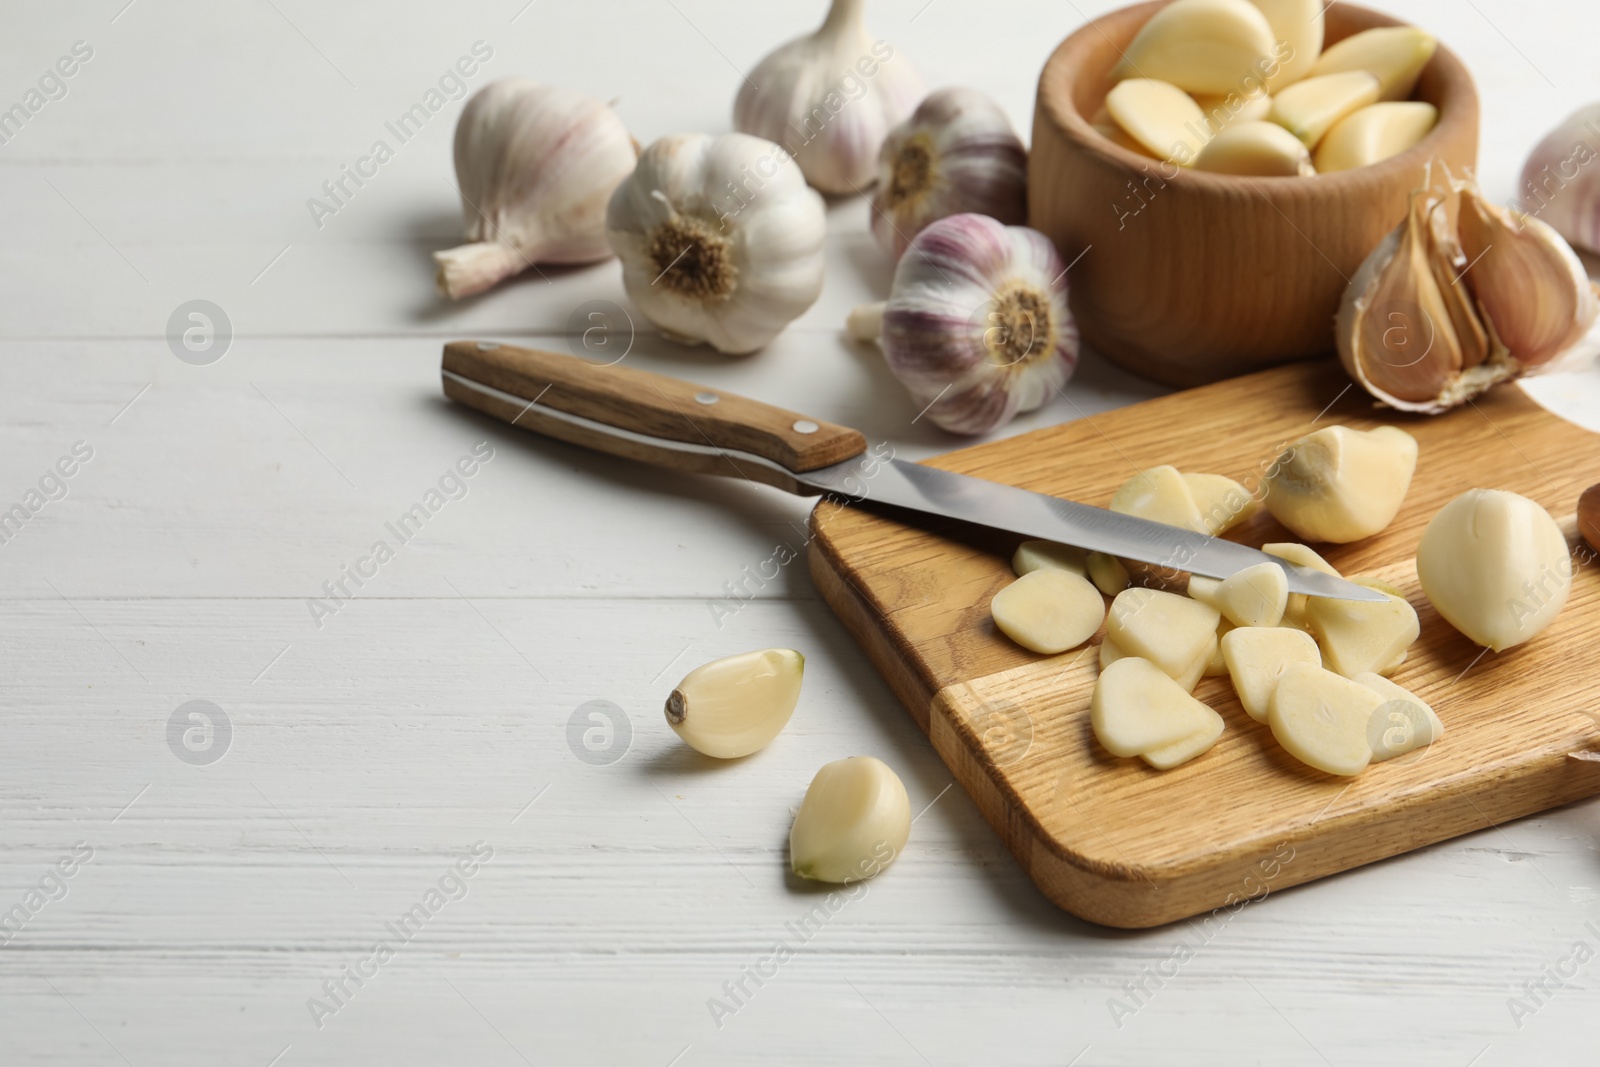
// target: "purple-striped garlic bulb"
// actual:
[[956, 153], [1561, 180], [976, 326]]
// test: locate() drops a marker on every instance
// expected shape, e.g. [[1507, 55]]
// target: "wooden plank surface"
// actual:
[[1118, 842]]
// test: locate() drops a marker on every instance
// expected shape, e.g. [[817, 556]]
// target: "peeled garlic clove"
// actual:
[[1117, 136], [1255, 596], [1341, 485], [1256, 658], [1160, 494], [1309, 109], [1530, 286], [1559, 184], [1173, 632], [1322, 719], [536, 165], [1261, 149], [852, 824], [1402, 723], [1496, 566], [1048, 611], [1110, 653], [1395, 55], [1295, 612], [701, 262], [1137, 708], [977, 327], [1161, 117], [1357, 637], [1297, 27], [1107, 573], [1202, 46], [1180, 752], [1222, 112], [1374, 134], [734, 706], [829, 98], [1223, 502], [1031, 556], [956, 153], [1204, 590]]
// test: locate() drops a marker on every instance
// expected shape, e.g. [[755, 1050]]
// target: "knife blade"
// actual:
[[673, 423]]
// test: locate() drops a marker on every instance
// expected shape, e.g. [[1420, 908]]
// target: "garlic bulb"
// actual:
[[977, 326], [830, 98], [1496, 566], [536, 165], [720, 239], [1560, 186], [1434, 318], [957, 152]]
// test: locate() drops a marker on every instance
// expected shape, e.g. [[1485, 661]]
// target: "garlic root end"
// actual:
[[473, 268], [866, 322]]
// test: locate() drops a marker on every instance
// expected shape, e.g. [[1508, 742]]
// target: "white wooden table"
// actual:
[[211, 906]]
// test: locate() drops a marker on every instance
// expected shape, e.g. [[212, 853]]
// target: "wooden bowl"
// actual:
[[1189, 277]]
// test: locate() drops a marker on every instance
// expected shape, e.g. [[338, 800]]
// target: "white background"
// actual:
[[368, 754]]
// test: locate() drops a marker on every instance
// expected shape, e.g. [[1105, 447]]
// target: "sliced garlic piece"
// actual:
[[1393, 665], [1161, 117], [1322, 719], [1341, 485], [1223, 502], [1224, 111], [1202, 46], [1110, 653], [1160, 494], [1180, 752], [1137, 708], [1373, 134], [1294, 613], [1031, 556], [853, 822], [1258, 149], [1048, 611], [1402, 723], [1357, 637], [1171, 631], [1217, 666], [1395, 55], [1204, 590], [1255, 596], [1496, 566], [1107, 573], [1256, 659], [734, 706], [1297, 27], [1309, 109]]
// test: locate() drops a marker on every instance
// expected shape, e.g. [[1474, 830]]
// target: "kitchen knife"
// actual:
[[673, 423]]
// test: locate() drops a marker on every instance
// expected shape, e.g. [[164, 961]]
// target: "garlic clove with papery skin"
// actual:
[[720, 239], [853, 822], [977, 326], [1560, 182], [830, 98], [536, 165], [956, 153]]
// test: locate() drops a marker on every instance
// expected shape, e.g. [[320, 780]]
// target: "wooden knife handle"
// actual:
[[644, 403]]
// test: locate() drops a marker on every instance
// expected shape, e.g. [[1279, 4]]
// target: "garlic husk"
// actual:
[[1560, 185], [1531, 288], [977, 326], [712, 248], [830, 98], [536, 165], [853, 822], [1407, 331], [956, 153]]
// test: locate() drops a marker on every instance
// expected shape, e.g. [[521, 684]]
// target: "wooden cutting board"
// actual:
[[1112, 840]]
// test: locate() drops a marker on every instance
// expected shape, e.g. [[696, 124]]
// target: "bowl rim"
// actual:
[[1458, 104]]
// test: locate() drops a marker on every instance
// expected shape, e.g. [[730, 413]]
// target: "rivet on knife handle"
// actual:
[[532, 389]]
